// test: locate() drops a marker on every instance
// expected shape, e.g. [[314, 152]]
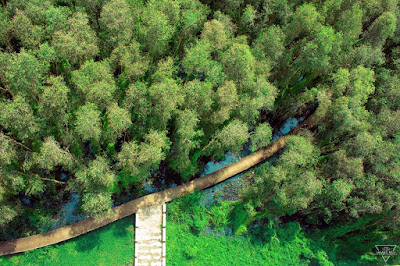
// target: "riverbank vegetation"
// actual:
[[102, 98]]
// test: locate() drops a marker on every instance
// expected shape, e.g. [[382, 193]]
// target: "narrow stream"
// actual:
[[69, 213]]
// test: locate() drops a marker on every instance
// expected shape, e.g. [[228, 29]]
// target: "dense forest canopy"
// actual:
[[98, 97]]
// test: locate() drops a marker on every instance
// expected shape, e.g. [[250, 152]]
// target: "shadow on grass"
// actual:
[[88, 242], [120, 229]]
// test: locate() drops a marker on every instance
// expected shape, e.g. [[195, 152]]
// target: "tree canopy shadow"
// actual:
[[88, 242]]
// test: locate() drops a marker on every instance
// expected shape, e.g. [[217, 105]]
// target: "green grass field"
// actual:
[[110, 245]]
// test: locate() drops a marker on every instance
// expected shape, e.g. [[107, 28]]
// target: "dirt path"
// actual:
[[129, 208]]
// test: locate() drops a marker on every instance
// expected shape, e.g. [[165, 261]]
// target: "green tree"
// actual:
[[96, 176], [92, 8], [239, 62], [349, 117], [277, 11], [362, 83], [17, 117], [381, 29], [10, 212], [116, 21], [35, 10], [78, 42], [331, 9], [53, 106], [97, 181], [137, 101], [214, 73], [389, 121], [34, 186], [350, 25], [158, 27], [165, 97], [261, 137], [95, 204], [348, 110], [247, 19], [192, 16], [51, 155], [118, 121], [56, 20], [12, 182], [165, 70], [316, 54], [289, 186], [214, 32], [96, 82], [341, 80], [304, 22], [130, 60], [139, 159], [227, 101], [265, 93], [232, 137], [226, 20], [261, 95], [386, 93], [88, 124], [5, 26], [25, 75], [365, 55], [232, 7], [198, 97], [24, 30], [169, 8], [197, 58], [47, 54], [8, 152], [186, 140], [300, 152], [340, 166], [270, 44]]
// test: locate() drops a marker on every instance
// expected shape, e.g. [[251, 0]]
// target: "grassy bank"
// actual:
[[200, 235], [110, 245]]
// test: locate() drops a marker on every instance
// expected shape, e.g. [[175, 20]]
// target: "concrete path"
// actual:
[[150, 235]]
